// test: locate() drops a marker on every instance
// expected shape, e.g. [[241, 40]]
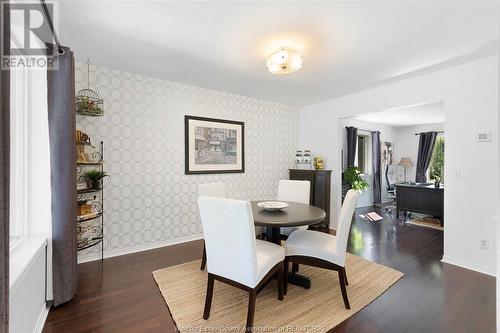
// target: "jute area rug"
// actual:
[[315, 310], [426, 222]]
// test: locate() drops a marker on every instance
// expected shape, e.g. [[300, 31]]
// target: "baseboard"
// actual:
[[41, 320], [137, 248], [469, 265]]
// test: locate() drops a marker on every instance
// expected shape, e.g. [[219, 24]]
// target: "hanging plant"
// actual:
[[88, 102]]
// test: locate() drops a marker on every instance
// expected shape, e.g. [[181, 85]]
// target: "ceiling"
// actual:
[[421, 114], [347, 46]]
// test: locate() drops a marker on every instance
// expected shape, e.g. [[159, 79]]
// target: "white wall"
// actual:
[[27, 308], [149, 201], [498, 216], [406, 145], [469, 93], [386, 134]]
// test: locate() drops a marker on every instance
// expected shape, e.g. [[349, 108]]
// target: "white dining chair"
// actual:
[[234, 256], [323, 250], [295, 191], [216, 189]]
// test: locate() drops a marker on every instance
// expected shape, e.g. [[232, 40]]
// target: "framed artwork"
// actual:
[[214, 145], [387, 153]]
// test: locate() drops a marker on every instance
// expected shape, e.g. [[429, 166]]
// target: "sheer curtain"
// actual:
[[30, 193]]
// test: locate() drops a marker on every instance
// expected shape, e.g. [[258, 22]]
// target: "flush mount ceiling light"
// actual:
[[285, 61]]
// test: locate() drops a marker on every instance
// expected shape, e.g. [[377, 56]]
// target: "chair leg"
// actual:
[[342, 280], [280, 283], [295, 268], [208, 299], [251, 310], [345, 276], [285, 277], [203, 258]]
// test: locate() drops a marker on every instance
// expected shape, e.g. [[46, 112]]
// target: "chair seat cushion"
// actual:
[[288, 230], [313, 244], [268, 255]]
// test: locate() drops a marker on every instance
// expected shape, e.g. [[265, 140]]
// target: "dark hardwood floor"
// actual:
[[121, 296]]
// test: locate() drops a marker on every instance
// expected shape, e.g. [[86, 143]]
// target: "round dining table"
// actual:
[[296, 214]]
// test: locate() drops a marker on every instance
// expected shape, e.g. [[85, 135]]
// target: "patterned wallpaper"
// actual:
[[148, 198]]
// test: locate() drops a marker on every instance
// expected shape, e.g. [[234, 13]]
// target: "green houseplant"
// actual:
[[437, 180], [352, 175], [94, 178]]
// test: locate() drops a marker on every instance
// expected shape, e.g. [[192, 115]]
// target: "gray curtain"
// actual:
[[425, 148], [352, 140], [61, 111], [377, 187], [4, 179]]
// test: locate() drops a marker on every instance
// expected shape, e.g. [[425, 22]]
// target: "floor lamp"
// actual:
[[405, 162]]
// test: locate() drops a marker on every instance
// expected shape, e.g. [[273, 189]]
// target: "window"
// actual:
[[436, 168], [363, 153], [18, 151], [30, 213]]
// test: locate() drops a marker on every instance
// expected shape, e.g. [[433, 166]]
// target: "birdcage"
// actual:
[[88, 102]]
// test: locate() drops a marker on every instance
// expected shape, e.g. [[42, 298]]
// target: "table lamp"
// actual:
[[405, 162]]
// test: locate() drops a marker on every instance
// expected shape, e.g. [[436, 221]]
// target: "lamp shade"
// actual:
[[406, 162]]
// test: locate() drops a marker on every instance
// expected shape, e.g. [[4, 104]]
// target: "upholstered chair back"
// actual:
[[294, 190], [229, 233], [344, 223]]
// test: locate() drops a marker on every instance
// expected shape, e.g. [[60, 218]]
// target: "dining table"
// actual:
[[296, 214]]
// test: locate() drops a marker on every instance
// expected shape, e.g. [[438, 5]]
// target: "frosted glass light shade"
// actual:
[[285, 61]]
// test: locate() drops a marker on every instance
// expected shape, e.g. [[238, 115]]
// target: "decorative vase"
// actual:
[[318, 162]]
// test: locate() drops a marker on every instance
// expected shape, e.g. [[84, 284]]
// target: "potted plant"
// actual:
[[352, 176], [94, 178], [437, 181], [85, 104]]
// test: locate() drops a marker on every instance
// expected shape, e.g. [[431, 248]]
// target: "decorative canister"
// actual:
[[307, 156], [298, 156]]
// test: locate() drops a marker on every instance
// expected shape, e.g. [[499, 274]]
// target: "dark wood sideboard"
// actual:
[[320, 190], [425, 199]]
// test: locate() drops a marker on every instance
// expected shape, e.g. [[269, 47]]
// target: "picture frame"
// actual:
[[214, 145]]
